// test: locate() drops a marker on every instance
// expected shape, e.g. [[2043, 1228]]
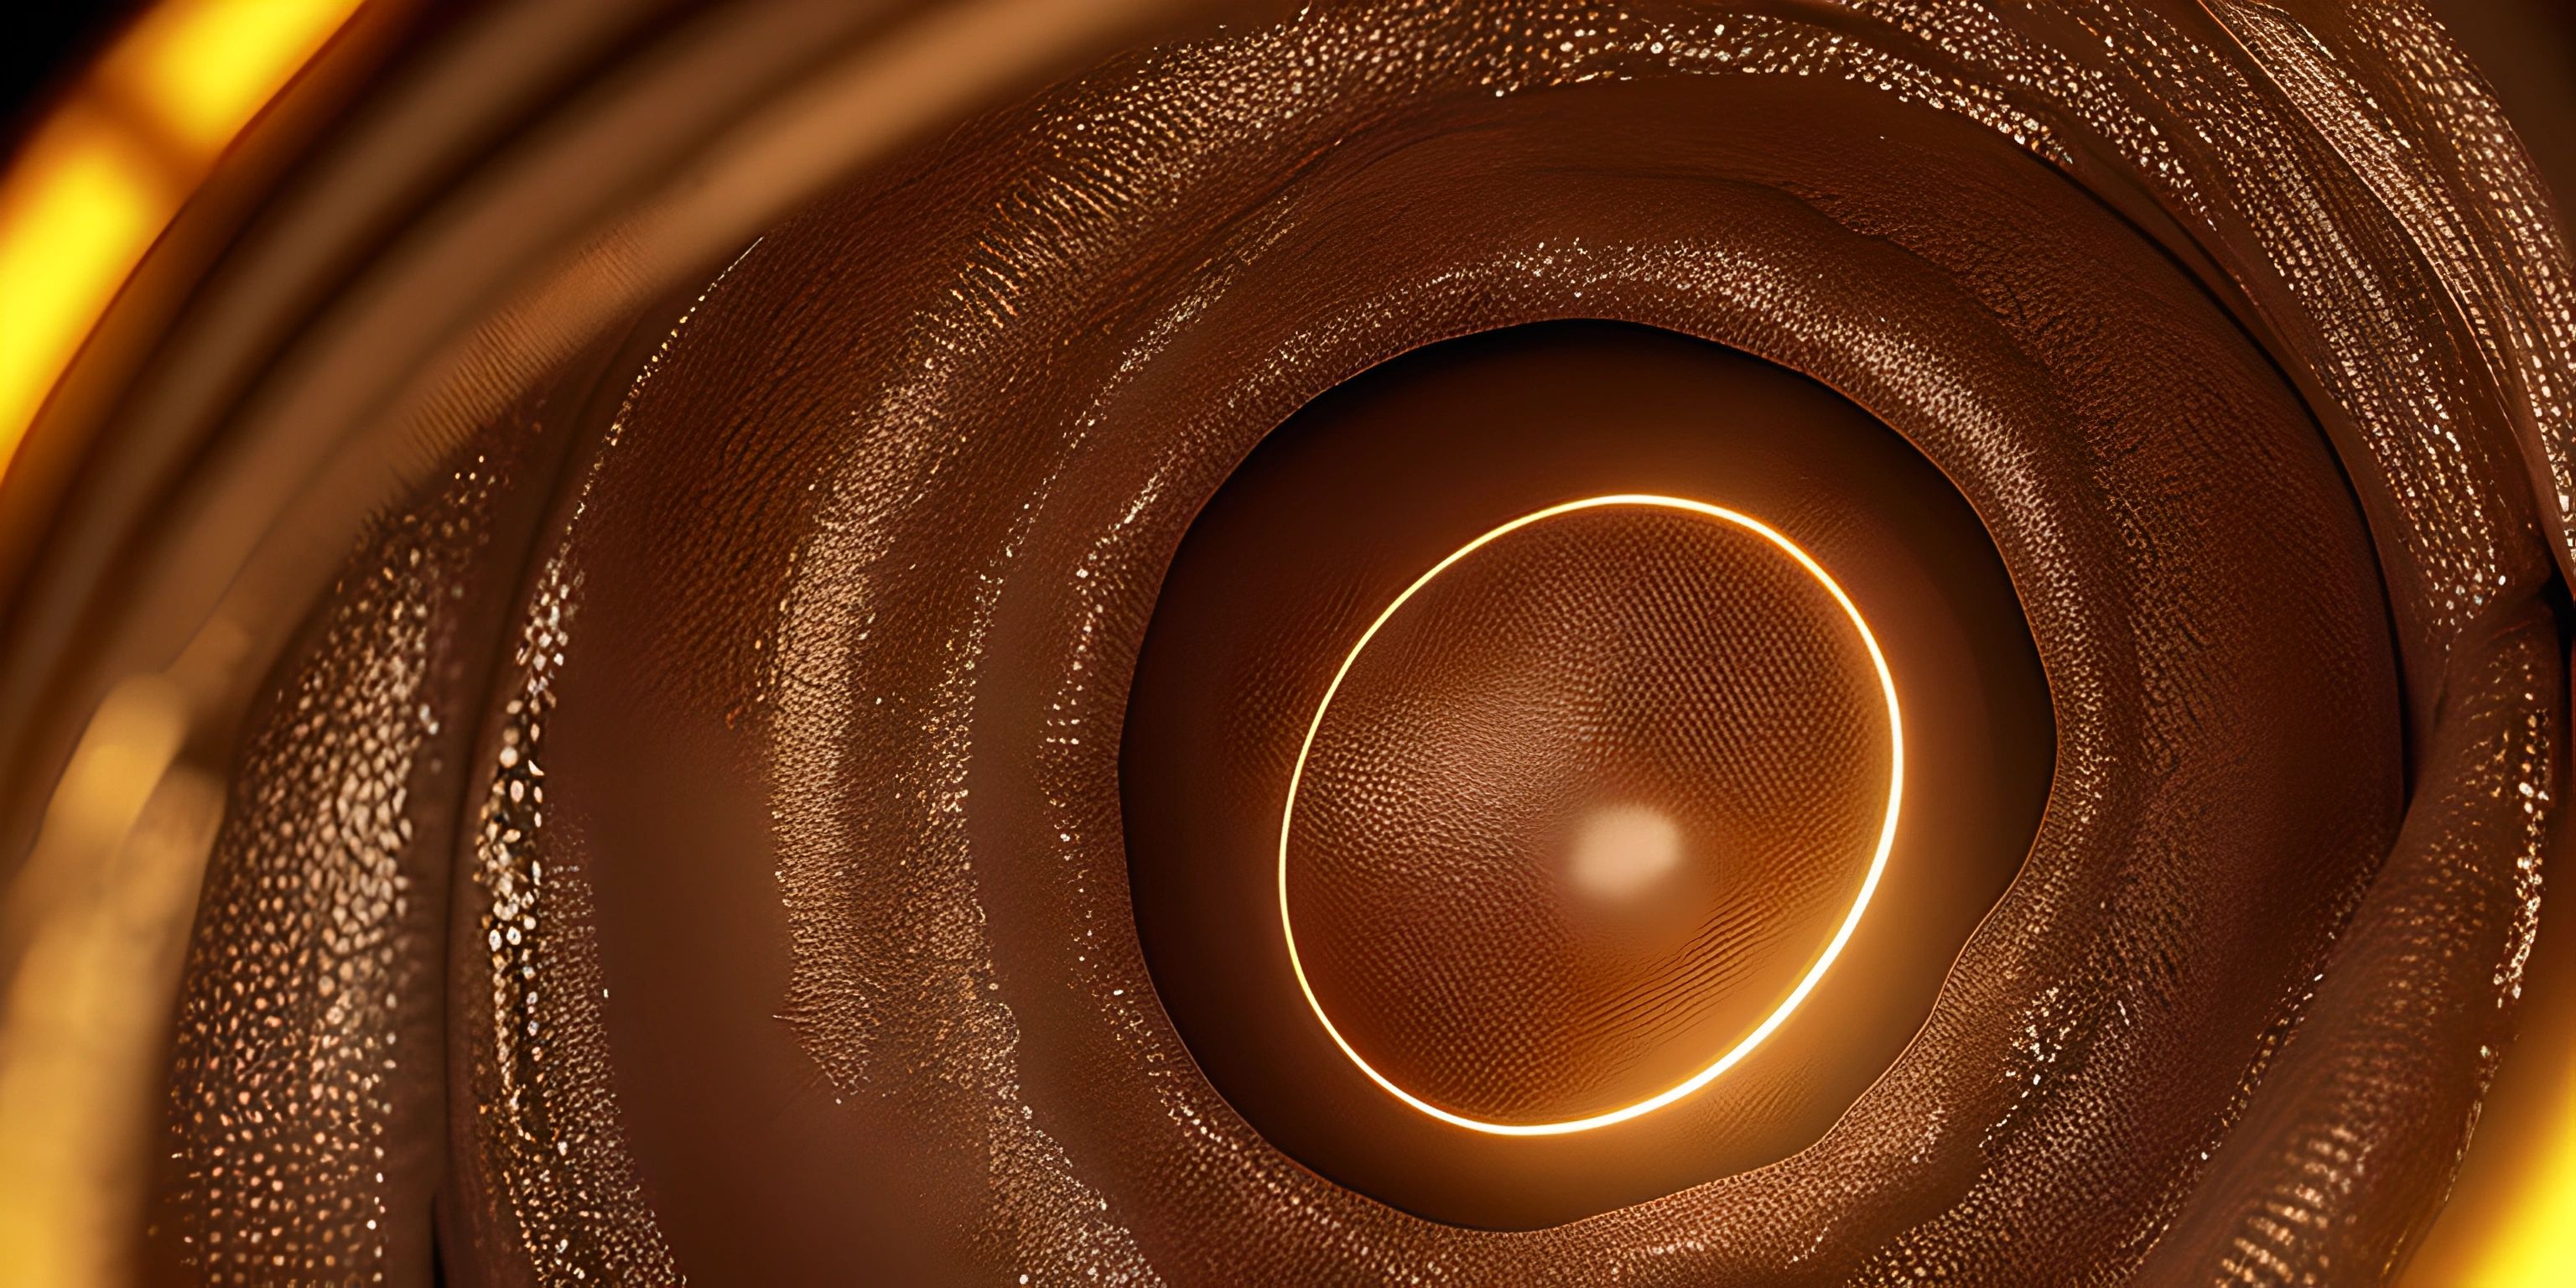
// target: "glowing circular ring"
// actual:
[[1806, 983]]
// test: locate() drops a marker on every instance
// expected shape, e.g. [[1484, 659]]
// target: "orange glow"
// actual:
[[101, 178], [2534, 1242], [75, 216], [2512, 1218], [1806, 984], [202, 70], [82, 201]]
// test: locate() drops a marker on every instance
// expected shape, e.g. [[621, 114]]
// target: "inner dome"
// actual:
[[1346, 504], [1585, 806]]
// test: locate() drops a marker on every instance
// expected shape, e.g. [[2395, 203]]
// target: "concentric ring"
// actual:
[[1807, 982]]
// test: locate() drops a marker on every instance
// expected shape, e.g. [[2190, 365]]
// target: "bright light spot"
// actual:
[[203, 69], [101, 176], [1623, 851], [75, 215], [2535, 1241]]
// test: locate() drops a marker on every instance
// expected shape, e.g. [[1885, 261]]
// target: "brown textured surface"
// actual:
[[1328, 519], [310, 961], [544, 1184], [835, 741], [1337, 511], [306, 1110], [963, 580]]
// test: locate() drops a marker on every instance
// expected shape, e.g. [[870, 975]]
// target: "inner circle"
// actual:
[[1584, 814]]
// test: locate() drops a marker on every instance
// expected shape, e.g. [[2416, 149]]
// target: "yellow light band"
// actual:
[[106, 171]]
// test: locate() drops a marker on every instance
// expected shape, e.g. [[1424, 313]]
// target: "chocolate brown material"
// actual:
[[1331, 517], [946, 612]]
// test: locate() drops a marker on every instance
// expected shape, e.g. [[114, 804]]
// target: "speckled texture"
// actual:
[[541, 1157], [547, 1134], [305, 1077], [308, 950], [2324, 1180]]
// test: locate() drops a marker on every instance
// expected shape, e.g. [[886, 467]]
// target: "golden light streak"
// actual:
[[1816, 972], [2512, 1216], [2535, 1240], [100, 908], [203, 69], [103, 175], [75, 216]]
